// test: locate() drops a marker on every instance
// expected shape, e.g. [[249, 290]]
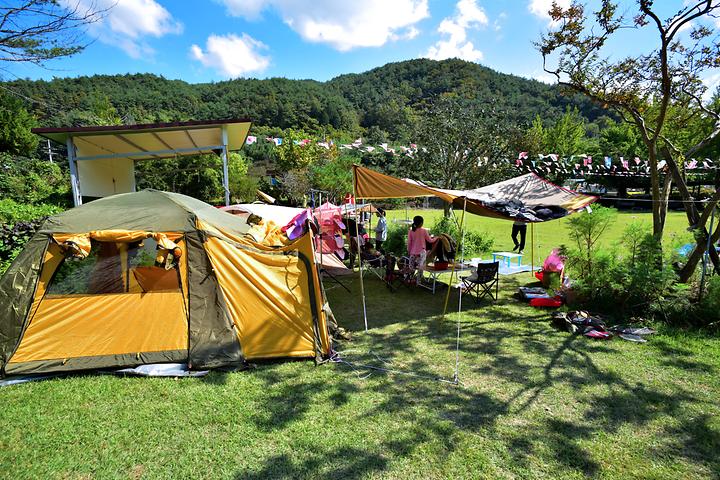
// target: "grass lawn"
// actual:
[[533, 403], [555, 233]]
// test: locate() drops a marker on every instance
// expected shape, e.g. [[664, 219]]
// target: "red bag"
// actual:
[[546, 302]]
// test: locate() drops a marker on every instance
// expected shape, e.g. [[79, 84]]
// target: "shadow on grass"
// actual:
[[520, 356]]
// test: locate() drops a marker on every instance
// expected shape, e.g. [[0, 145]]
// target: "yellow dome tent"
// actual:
[[154, 277]]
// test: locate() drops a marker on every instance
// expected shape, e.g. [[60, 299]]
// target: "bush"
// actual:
[[30, 180], [396, 242], [631, 278], [19, 222], [12, 211]]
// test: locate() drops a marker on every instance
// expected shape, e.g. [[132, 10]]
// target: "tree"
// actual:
[[297, 151], [15, 125], [242, 186], [35, 31], [650, 90], [462, 146]]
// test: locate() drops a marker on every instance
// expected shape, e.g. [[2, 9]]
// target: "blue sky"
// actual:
[[211, 40]]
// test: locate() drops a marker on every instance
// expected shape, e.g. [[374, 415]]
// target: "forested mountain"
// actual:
[[385, 99]]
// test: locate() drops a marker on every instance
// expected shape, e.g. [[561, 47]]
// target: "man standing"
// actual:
[[521, 228]]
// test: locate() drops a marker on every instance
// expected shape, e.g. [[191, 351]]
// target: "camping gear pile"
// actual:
[[442, 252], [541, 297], [516, 209], [594, 326]]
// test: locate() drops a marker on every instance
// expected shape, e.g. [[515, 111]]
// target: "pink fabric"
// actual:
[[554, 262], [417, 239]]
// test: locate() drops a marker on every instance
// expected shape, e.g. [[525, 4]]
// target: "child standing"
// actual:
[[418, 238]]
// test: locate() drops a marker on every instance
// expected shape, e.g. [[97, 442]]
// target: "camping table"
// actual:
[[434, 274], [507, 257]]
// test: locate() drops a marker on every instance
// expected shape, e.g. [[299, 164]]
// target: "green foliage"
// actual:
[[19, 222], [472, 243], [396, 242], [585, 230], [333, 176], [460, 142], [298, 152], [242, 186], [12, 211], [15, 125], [621, 139], [631, 278], [33, 181], [382, 104]]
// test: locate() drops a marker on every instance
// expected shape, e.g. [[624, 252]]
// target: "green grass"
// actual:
[[533, 403], [553, 234]]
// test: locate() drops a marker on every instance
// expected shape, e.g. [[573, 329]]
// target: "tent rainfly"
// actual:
[[157, 277], [102, 159]]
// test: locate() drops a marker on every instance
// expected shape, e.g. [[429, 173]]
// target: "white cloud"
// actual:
[[232, 56], [468, 15], [126, 23], [712, 82], [342, 24], [540, 8]]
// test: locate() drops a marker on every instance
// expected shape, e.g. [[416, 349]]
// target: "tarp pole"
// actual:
[[74, 178], [452, 271], [226, 181], [456, 377], [357, 243], [320, 232], [532, 249]]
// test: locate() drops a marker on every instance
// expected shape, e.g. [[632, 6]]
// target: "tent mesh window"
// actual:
[[114, 268]]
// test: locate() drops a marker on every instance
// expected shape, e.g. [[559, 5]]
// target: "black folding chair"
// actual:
[[483, 279]]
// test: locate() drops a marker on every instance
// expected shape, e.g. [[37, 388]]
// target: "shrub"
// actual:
[[33, 181], [12, 211], [396, 242], [631, 278], [19, 222]]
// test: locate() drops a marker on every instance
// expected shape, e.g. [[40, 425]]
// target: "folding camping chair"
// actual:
[[399, 272], [483, 279]]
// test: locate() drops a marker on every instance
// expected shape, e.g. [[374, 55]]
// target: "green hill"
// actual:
[[385, 98]]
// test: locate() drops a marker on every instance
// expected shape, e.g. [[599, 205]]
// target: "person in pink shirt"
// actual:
[[418, 238]]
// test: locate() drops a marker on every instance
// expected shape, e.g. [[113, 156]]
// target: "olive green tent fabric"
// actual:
[[148, 210], [17, 288], [213, 340]]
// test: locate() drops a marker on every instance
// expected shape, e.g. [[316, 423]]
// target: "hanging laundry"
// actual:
[[522, 155], [608, 162], [692, 165], [250, 140], [637, 161]]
